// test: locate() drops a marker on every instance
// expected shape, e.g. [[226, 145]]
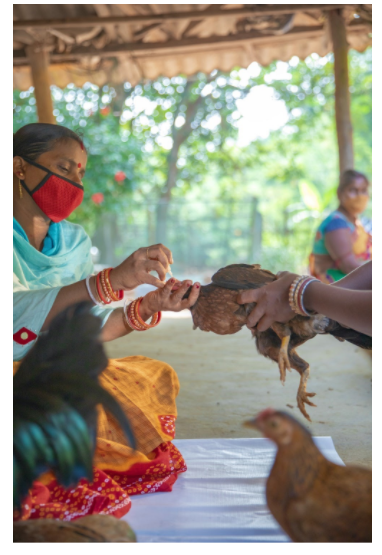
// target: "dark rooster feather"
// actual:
[[55, 393], [217, 310]]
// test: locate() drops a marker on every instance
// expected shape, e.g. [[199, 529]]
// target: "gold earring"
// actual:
[[20, 189]]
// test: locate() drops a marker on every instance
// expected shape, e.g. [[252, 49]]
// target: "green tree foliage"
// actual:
[[174, 139]]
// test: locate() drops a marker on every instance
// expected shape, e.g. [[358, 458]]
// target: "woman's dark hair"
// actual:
[[36, 138], [348, 177]]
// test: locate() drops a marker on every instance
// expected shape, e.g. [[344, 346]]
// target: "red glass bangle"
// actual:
[[134, 320], [154, 320], [131, 320]]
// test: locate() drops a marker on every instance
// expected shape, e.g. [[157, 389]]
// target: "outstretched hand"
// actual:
[[170, 297], [272, 302], [135, 270]]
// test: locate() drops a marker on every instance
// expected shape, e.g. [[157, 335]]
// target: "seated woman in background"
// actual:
[[52, 269], [342, 244]]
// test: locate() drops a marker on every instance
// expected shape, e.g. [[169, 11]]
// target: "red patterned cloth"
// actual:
[[146, 390], [110, 491]]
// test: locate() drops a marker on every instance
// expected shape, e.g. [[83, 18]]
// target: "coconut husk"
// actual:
[[90, 529]]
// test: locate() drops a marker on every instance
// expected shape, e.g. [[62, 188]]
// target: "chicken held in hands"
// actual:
[[217, 310], [313, 499]]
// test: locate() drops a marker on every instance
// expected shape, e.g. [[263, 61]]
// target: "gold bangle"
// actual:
[[293, 293], [110, 290], [104, 288]]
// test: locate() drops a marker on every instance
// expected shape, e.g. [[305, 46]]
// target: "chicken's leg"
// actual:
[[302, 395], [283, 332]]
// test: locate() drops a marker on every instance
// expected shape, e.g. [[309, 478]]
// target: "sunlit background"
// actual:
[[222, 168]]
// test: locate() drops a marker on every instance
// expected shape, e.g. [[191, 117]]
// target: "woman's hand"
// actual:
[[169, 298], [272, 302], [136, 269]]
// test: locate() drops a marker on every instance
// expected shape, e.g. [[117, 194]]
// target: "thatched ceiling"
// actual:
[[129, 42]]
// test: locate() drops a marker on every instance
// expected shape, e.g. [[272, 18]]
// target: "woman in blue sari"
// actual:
[[342, 243], [52, 269]]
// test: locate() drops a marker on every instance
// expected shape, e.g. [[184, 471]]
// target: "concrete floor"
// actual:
[[224, 381]]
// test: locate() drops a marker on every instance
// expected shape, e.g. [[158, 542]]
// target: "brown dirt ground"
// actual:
[[224, 381]]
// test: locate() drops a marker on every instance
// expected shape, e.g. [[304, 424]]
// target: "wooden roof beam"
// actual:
[[195, 44], [275, 9]]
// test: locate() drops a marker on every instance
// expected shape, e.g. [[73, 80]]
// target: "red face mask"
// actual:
[[55, 195]]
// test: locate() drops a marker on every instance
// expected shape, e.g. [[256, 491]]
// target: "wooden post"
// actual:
[[342, 95], [39, 61]]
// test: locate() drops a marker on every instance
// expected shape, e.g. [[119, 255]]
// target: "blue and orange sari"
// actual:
[[146, 389], [361, 245]]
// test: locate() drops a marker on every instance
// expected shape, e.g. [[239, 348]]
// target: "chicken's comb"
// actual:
[[265, 413]]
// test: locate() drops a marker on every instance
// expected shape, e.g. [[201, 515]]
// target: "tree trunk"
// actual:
[[179, 137], [39, 62], [161, 222], [150, 225], [105, 239], [342, 94], [172, 171], [255, 233]]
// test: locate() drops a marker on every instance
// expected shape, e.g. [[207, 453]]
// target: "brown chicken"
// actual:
[[217, 310], [313, 499]]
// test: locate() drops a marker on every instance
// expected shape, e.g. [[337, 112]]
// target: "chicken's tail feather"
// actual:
[[71, 344], [56, 391], [355, 337]]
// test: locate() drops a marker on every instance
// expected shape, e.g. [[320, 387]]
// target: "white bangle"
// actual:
[[90, 292], [307, 312]]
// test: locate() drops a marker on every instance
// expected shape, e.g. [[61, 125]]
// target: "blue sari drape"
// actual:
[[39, 276]]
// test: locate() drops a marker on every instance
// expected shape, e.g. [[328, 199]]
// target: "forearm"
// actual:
[[359, 279], [68, 295], [347, 306], [348, 264], [116, 327], [340, 248]]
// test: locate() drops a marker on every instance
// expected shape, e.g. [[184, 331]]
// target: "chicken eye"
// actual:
[[273, 424]]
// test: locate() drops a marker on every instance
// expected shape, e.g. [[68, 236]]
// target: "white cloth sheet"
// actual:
[[221, 497]]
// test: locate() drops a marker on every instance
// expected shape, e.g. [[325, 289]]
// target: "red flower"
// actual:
[[120, 176], [98, 198], [105, 111]]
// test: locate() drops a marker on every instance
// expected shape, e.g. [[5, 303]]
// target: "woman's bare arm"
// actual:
[[115, 326], [347, 306], [68, 295], [360, 279], [133, 271], [340, 248], [168, 298]]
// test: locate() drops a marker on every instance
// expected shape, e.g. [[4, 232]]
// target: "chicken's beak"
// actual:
[[258, 421], [252, 423]]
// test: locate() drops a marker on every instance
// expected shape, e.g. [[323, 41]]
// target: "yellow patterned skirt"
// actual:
[[146, 389]]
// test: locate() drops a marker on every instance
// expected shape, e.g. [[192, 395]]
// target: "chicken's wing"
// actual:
[[242, 276]]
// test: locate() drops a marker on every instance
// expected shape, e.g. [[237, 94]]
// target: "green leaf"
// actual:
[[310, 195]]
